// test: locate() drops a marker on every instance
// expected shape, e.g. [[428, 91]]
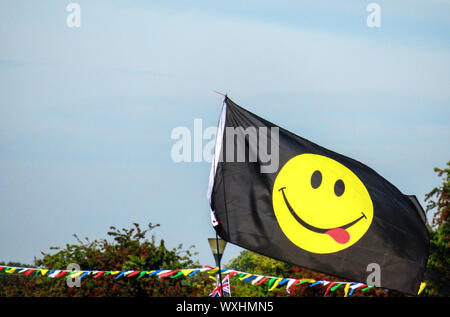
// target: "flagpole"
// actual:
[[217, 237], [220, 93], [218, 263]]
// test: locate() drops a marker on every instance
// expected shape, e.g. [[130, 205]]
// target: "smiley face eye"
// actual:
[[316, 179], [339, 187]]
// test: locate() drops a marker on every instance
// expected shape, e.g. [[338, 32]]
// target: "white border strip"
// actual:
[[217, 150]]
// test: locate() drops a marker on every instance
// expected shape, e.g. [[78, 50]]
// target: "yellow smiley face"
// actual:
[[321, 205]]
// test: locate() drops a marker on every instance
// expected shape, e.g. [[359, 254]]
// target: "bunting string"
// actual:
[[272, 282]]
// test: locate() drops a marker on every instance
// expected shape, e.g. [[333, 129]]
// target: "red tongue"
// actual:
[[339, 235]]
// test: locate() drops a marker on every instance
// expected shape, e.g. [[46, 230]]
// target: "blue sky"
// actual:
[[86, 113]]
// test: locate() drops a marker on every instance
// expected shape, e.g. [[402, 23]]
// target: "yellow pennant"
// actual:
[[213, 270], [307, 280], [11, 270], [347, 287], [275, 284], [245, 276], [422, 286], [186, 272], [76, 274]]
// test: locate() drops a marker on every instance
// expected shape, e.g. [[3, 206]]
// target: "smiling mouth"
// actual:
[[339, 234]]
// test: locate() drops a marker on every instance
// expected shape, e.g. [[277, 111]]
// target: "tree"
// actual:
[[128, 250], [438, 267]]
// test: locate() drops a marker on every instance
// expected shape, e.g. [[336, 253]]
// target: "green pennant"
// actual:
[[335, 287], [142, 274], [176, 275], [69, 274], [272, 280], [301, 282]]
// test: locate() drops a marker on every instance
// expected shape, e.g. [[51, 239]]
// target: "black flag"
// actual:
[[280, 195]]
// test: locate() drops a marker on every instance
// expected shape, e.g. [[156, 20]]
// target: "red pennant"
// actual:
[[262, 280], [61, 274], [99, 274], [360, 287], [168, 274], [134, 273], [329, 287]]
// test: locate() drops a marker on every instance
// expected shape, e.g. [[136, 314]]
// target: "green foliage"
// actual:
[[441, 206], [128, 250], [438, 267], [249, 261]]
